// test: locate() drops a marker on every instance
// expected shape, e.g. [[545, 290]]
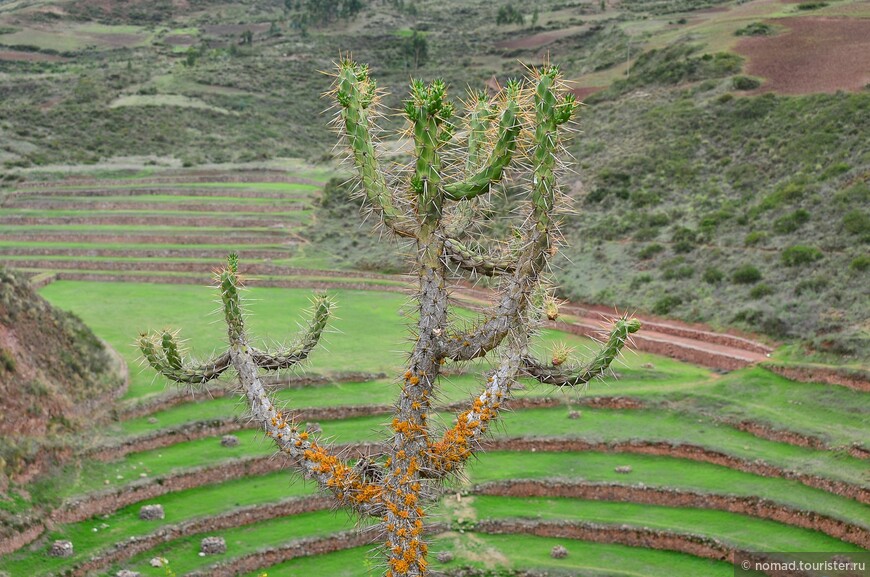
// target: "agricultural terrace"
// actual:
[[632, 472]]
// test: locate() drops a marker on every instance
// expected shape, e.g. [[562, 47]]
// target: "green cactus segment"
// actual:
[[298, 352], [560, 376], [472, 260], [355, 92], [175, 371], [430, 113], [170, 349], [505, 144], [229, 287], [480, 118], [549, 114]]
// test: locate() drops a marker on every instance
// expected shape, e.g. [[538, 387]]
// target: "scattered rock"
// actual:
[[127, 573], [313, 428], [624, 469], [575, 415], [558, 552], [61, 548], [229, 441], [152, 420], [213, 546], [444, 557], [158, 561], [151, 512]]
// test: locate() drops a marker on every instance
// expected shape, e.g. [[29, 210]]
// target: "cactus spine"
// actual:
[[527, 120]]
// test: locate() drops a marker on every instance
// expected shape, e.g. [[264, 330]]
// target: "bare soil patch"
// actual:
[[538, 40], [814, 55], [24, 56], [582, 92], [180, 40]]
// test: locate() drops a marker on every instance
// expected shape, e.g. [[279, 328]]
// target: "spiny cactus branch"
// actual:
[[505, 144], [570, 377], [186, 374], [470, 260], [356, 93], [315, 461]]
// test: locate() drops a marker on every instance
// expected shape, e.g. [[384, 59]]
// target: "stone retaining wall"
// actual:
[[201, 253], [181, 178], [155, 207], [695, 545], [144, 220], [680, 451], [136, 190], [751, 506], [844, 377], [238, 518]]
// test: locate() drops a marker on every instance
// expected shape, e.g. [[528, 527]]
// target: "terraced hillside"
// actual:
[[673, 468], [166, 224]]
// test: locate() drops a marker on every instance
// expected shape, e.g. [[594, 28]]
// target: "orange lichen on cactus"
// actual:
[[455, 445]]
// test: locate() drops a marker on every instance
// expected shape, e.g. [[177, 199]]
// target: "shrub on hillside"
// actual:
[[791, 222], [755, 29], [857, 222], [713, 275], [761, 290], [754, 237], [666, 304], [800, 254], [745, 83], [860, 263], [746, 274], [650, 250], [639, 280]]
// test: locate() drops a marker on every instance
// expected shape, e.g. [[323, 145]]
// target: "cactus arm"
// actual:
[[168, 362], [570, 377], [505, 144], [299, 352], [356, 93], [447, 455], [429, 113], [480, 119], [314, 460], [515, 293], [471, 260]]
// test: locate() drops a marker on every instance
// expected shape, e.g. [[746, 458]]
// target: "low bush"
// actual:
[[811, 5], [640, 280], [755, 29], [650, 250], [746, 274], [666, 304], [791, 222], [754, 237], [761, 290], [745, 83], [860, 263], [713, 275], [800, 254], [856, 222]]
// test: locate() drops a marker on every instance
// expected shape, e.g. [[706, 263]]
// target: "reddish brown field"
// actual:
[[538, 40], [582, 92], [813, 55], [29, 56]]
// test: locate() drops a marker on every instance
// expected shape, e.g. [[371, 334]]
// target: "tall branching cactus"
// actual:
[[434, 205]]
